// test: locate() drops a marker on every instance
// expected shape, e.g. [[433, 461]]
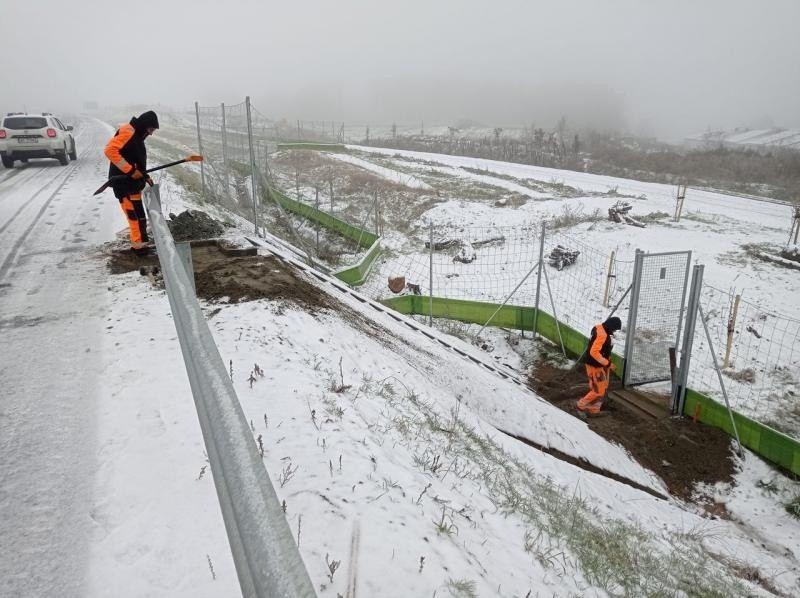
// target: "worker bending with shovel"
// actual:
[[598, 367], [128, 156]]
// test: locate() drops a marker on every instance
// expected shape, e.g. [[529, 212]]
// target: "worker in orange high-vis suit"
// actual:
[[128, 155], [598, 366]]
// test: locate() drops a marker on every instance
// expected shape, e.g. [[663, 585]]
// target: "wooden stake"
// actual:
[[731, 330], [609, 277]]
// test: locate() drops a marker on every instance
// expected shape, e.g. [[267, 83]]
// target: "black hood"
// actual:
[[612, 324], [145, 121]]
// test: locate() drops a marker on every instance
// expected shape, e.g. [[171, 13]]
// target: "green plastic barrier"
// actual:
[[509, 316], [364, 238], [352, 275], [762, 440], [357, 275]]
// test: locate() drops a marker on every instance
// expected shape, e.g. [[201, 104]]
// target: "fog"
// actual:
[[666, 68]]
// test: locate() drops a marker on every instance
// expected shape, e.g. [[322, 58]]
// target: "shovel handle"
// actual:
[[119, 177]]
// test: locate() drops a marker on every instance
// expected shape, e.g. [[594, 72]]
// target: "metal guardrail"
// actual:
[[266, 557]]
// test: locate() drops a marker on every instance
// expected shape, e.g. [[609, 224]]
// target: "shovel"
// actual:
[[120, 177]]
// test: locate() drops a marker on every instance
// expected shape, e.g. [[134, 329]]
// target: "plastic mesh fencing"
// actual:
[[657, 318], [759, 353]]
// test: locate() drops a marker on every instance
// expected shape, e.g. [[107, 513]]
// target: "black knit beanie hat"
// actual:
[[147, 119]]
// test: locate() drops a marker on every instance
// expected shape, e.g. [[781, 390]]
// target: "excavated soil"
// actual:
[[683, 453], [222, 273], [221, 276]]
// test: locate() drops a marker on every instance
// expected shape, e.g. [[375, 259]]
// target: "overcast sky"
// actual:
[[668, 67]]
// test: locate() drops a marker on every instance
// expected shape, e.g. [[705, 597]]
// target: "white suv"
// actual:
[[24, 136]]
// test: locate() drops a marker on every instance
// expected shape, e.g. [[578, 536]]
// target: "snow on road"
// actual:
[[67, 488]]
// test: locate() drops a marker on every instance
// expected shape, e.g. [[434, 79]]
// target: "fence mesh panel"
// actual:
[[762, 372], [658, 317]]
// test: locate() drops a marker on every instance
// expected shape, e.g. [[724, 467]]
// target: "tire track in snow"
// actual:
[[12, 254], [68, 175]]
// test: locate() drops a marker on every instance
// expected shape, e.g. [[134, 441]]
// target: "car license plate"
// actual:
[[28, 140]]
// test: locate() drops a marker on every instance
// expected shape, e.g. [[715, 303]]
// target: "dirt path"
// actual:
[[681, 452]]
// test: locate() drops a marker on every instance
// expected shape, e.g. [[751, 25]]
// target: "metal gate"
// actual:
[[656, 312]]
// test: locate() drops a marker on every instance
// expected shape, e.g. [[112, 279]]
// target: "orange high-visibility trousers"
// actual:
[[137, 219], [598, 385]]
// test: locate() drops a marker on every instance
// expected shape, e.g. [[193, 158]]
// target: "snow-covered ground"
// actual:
[[723, 232], [403, 477], [392, 175]]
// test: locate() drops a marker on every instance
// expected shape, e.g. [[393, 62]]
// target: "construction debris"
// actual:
[[562, 256], [619, 213]]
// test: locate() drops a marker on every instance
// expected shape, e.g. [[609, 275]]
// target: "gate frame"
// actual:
[[633, 310]]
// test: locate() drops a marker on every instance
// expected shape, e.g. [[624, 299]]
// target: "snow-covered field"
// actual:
[[725, 233], [403, 477]]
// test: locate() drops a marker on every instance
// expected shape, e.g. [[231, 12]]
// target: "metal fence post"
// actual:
[[252, 164], [683, 299], [316, 189], [430, 285], [679, 392], [721, 381], [200, 149], [631, 330], [225, 158], [539, 277]]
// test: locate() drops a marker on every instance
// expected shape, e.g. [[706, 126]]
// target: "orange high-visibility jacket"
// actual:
[[598, 351], [126, 151]]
